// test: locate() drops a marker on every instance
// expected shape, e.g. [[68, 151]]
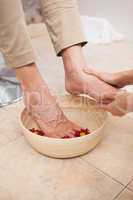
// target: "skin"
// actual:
[[42, 105], [80, 80], [119, 79], [122, 105], [124, 101]]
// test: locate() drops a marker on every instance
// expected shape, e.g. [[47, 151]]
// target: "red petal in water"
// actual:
[[77, 133], [32, 130], [37, 132], [66, 137], [87, 131], [82, 130]]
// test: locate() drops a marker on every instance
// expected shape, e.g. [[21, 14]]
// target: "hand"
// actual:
[[119, 79], [122, 105]]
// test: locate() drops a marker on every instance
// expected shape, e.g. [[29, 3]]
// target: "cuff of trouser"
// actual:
[[70, 43], [66, 29], [20, 60]]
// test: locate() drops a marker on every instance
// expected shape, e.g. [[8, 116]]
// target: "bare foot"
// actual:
[[42, 106], [44, 109], [83, 82], [49, 116]]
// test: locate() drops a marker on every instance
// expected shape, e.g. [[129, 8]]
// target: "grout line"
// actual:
[[106, 174], [129, 184], [119, 193], [129, 189]]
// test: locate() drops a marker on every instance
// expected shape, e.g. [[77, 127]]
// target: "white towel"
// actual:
[[99, 30]]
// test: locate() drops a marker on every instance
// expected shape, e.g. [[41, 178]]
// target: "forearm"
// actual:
[[122, 105], [123, 78], [62, 19], [127, 77], [130, 103], [125, 102]]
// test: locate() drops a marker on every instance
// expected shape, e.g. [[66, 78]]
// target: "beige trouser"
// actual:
[[62, 20]]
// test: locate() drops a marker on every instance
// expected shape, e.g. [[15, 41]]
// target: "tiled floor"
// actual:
[[125, 195], [130, 186], [105, 173]]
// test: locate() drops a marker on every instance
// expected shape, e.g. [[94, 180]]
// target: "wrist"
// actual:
[[130, 102], [124, 102], [122, 79], [29, 76], [128, 77]]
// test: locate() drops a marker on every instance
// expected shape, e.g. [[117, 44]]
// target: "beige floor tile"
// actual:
[[125, 195], [4, 194], [14, 109], [130, 186], [4, 139], [9, 123], [114, 155], [9, 126], [27, 175], [112, 58]]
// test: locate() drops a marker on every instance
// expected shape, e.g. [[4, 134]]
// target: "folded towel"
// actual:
[[99, 30]]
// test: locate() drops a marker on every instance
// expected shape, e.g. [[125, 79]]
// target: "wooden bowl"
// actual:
[[80, 110]]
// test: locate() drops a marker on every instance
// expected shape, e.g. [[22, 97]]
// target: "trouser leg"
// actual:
[[15, 43], [62, 18]]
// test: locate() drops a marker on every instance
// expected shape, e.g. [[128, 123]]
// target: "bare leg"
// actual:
[[42, 105], [80, 80]]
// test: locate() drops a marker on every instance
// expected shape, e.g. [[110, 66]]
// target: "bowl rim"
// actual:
[[94, 133], [62, 139]]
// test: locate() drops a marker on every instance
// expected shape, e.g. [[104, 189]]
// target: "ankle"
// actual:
[[73, 59], [29, 76]]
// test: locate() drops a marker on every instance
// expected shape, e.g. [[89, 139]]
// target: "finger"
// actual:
[[113, 110], [105, 99]]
